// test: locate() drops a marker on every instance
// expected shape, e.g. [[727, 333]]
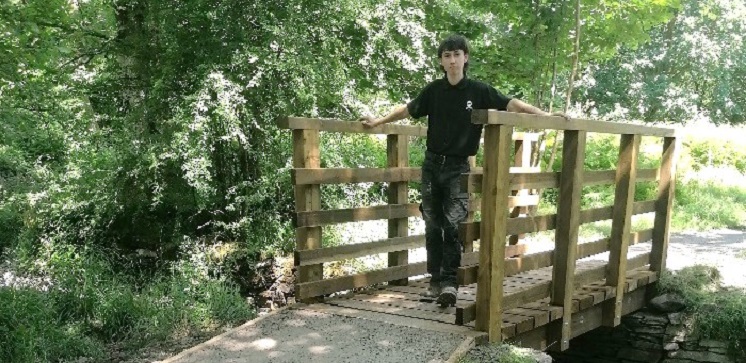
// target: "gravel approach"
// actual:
[[298, 335]]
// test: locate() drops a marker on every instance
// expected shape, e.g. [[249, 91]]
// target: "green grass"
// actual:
[[703, 205], [90, 306], [718, 313], [503, 353]]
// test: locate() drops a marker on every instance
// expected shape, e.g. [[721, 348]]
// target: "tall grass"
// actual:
[[718, 313], [88, 305]]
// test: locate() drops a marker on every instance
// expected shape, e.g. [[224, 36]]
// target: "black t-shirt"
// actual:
[[448, 110]]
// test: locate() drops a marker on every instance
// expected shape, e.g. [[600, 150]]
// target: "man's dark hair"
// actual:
[[454, 42]]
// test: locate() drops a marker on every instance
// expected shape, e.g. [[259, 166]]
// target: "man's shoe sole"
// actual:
[[446, 299]]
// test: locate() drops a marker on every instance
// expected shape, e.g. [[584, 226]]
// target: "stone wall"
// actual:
[[647, 336]]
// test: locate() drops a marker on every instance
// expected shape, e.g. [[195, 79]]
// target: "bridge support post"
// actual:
[[663, 204], [307, 198], [624, 198], [398, 156], [495, 191], [566, 237]]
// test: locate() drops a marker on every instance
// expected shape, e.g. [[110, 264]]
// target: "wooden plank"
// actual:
[[471, 230], [494, 215], [472, 258], [472, 182], [328, 286], [397, 151], [566, 233], [664, 202], [582, 322], [307, 198], [529, 121], [327, 217], [410, 313], [624, 198], [354, 175], [390, 319], [338, 253], [331, 125]]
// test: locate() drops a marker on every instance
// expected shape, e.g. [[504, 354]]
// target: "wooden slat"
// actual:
[[327, 217], [397, 151], [472, 258], [328, 286], [472, 182], [582, 322], [307, 198], [542, 289], [338, 253], [410, 313], [470, 230], [663, 205], [494, 214], [566, 233], [524, 120], [621, 222], [391, 319], [354, 175], [329, 125], [467, 273]]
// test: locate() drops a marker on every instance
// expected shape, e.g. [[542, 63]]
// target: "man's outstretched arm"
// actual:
[[398, 113], [516, 105]]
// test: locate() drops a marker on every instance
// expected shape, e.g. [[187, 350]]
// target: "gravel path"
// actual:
[[296, 335]]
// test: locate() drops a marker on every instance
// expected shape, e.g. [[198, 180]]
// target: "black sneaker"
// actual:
[[447, 296]]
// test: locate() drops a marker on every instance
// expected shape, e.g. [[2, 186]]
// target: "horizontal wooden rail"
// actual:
[[466, 314], [524, 120], [354, 175], [330, 125], [338, 253], [472, 182], [468, 274], [469, 231], [326, 217], [337, 284], [341, 126]]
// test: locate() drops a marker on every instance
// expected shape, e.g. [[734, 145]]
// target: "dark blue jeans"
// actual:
[[444, 206]]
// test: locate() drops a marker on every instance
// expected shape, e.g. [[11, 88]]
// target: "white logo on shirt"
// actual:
[[468, 106]]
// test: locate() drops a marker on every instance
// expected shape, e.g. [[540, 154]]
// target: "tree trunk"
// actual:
[[571, 81]]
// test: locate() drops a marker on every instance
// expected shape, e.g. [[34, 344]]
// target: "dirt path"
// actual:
[[298, 335]]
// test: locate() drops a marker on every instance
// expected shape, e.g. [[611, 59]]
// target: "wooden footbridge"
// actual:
[[540, 299]]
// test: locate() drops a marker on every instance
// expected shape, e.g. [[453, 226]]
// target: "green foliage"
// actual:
[[31, 330], [703, 205], [498, 353], [88, 304], [717, 313]]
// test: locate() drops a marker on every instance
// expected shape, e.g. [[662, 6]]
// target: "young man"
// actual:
[[451, 139]]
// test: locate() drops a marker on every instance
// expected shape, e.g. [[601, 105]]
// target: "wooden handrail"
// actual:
[[494, 117]]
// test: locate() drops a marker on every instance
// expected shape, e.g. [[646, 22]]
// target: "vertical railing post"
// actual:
[[621, 220], [469, 243], [522, 159], [663, 204], [307, 198], [495, 191], [398, 156], [566, 237]]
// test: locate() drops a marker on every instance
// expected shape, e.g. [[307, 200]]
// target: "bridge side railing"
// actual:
[[495, 179], [308, 176]]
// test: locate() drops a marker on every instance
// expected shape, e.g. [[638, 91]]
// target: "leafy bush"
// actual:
[[88, 304]]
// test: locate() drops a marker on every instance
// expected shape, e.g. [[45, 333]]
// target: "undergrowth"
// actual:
[[717, 313]]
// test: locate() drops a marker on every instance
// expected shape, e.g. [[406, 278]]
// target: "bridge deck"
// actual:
[[404, 303]]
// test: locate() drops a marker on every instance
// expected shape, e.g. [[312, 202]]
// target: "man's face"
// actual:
[[453, 61]]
